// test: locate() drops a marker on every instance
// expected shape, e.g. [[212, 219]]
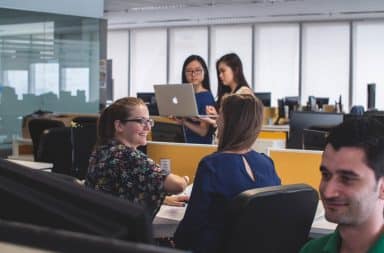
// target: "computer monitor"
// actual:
[[321, 101], [292, 103], [314, 139], [322, 121], [371, 96], [43, 199], [150, 100], [377, 115], [265, 98], [168, 132]]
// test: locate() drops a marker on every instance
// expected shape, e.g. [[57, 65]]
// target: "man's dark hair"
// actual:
[[365, 133]]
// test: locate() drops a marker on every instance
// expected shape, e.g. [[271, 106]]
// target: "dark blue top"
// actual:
[[219, 178], [202, 99]]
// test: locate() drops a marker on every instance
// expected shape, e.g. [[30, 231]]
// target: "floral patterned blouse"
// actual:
[[127, 173]]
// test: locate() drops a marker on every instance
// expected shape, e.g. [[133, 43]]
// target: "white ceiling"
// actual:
[[136, 5], [123, 14]]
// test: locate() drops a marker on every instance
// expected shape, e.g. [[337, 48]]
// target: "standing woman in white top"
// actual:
[[231, 80]]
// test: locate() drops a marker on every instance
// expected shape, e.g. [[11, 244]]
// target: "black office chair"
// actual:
[[55, 147], [85, 120], [83, 139], [36, 128], [21, 234], [272, 219]]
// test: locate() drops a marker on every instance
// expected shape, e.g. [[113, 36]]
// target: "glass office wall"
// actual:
[[48, 62]]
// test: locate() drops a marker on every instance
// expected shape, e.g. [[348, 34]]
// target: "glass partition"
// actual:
[[48, 62]]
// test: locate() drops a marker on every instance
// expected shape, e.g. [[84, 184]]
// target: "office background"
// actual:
[[53, 54], [324, 48]]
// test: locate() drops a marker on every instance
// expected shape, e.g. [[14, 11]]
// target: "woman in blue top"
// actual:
[[224, 174], [195, 72]]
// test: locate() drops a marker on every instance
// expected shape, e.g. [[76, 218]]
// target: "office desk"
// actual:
[[33, 165], [168, 218]]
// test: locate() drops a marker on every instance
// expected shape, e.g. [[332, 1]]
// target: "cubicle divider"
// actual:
[[182, 158], [276, 135], [297, 166]]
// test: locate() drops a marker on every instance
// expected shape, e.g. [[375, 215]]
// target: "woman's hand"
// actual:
[[210, 110], [176, 200], [179, 120]]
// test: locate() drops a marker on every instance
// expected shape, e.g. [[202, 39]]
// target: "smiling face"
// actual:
[[194, 73], [348, 188], [132, 133]]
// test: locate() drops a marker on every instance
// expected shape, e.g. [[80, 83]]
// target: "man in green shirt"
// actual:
[[352, 189]]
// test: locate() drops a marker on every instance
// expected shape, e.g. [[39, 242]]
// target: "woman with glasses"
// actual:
[[195, 72], [221, 176], [117, 167]]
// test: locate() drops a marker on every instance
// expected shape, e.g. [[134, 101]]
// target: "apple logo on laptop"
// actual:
[[175, 101]]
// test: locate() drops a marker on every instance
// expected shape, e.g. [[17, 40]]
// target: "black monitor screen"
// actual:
[[299, 121], [168, 132], [44, 199], [322, 101], [150, 100], [292, 103], [265, 98]]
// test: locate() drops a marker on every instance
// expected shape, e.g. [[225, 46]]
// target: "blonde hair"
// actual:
[[119, 110], [242, 117]]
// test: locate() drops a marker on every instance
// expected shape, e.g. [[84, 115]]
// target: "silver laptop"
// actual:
[[176, 100]]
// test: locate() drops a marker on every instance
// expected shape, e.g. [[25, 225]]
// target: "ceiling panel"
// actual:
[[122, 14], [137, 5]]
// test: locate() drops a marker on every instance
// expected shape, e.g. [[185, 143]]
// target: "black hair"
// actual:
[[233, 61], [206, 82], [366, 133]]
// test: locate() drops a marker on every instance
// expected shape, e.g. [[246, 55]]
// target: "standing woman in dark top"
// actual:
[[117, 167], [231, 80], [195, 72], [221, 176]]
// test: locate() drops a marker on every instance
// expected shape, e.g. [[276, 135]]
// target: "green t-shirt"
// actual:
[[331, 244]]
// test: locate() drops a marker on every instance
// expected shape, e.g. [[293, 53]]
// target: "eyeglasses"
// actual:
[[194, 72], [141, 121]]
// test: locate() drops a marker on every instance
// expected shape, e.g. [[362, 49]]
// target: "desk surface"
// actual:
[[33, 165], [278, 128], [168, 217]]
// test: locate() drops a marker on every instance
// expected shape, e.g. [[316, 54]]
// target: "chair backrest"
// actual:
[[83, 139], [85, 120], [58, 240], [271, 219], [55, 147], [36, 128]]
